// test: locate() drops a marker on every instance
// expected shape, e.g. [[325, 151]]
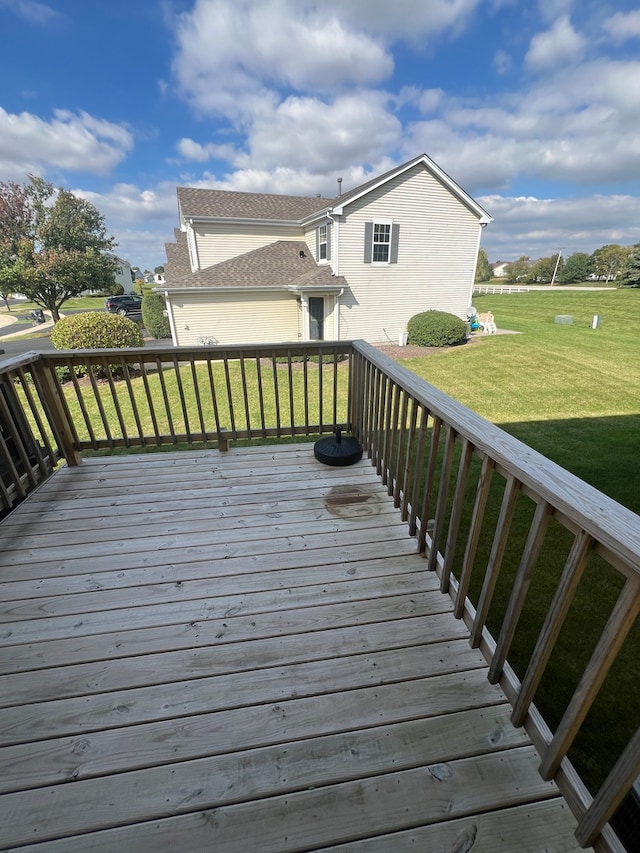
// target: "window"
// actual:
[[381, 242], [323, 243]]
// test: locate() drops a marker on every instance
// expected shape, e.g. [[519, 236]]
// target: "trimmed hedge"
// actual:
[[436, 329], [153, 318], [94, 330]]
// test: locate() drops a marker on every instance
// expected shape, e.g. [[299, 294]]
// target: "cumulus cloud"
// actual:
[[260, 47], [558, 45], [76, 142], [233, 55], [623, 25]]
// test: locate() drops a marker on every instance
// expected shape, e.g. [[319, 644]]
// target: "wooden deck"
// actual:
[[243, 652]]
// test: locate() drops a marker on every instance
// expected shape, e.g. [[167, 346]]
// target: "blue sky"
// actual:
[[532, 107]]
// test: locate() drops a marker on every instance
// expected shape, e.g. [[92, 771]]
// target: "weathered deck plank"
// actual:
[[259, 661]]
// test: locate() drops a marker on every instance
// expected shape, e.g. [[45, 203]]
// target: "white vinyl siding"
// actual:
[[437, 249], [221, 241], [313, 237], [236, 317]]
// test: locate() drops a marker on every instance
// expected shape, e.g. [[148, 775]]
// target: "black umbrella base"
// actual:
[[337, 450]]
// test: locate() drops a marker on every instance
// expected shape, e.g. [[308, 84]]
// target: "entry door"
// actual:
[[316, 318]]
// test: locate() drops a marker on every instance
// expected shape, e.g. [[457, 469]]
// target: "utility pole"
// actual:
[[553, 277]]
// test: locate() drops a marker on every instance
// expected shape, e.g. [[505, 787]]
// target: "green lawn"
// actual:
[[569, 391]]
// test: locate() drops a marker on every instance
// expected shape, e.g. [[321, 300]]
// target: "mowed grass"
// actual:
[[569, 391]]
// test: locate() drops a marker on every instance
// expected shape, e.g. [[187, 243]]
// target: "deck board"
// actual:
[[259, 660]]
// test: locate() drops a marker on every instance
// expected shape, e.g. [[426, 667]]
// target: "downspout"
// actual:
[[336, 319], [172, 324], [335, 245], [193, 247]]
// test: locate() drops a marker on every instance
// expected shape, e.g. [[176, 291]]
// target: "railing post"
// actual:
[[57, 412]]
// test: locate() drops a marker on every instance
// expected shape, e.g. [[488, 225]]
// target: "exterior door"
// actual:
[[316, 318]]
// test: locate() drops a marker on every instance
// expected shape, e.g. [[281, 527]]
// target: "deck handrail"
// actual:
[[395, 410], [440, 461]]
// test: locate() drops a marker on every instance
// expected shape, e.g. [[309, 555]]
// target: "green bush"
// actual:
[[95, 330], [436, 329], [153, 318]]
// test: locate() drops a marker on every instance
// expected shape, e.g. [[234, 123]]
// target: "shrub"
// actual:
[[155, 322], [95, 330], [436, 329]]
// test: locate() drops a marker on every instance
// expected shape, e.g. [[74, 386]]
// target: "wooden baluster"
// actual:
[[498, 547], [622, 618], [456, 514], [443, 493], [482, 496], [518, 595], [571, 575]]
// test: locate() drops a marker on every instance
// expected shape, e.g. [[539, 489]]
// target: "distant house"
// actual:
[[252, 267], [499, 269], [123, 275]]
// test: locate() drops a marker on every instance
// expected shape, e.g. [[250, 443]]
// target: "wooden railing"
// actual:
[[29, 437], [463, 485], [513, 537]]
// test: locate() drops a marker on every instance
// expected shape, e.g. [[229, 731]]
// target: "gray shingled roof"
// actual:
[[198, 203], [177, 265], [279, 264]]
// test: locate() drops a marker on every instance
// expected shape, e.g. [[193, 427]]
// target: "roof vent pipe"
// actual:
[[339, 187]]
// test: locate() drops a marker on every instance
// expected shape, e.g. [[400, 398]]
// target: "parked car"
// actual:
[[124, 305]]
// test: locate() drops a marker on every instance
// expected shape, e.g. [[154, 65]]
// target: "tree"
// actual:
[[576, 268], [519, 271], [630, 275], [609, 261], [52, 244], [161, 268], [543, 269], [483, 267]]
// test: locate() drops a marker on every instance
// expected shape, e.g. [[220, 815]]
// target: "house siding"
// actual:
[[222, 241], [236, 317], [436, 259]]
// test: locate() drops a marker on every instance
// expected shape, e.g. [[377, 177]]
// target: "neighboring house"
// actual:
[[123, 274], [499, 269], [253, 268]]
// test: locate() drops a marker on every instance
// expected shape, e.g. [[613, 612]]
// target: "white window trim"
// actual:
[[389, 223], [324, 243]]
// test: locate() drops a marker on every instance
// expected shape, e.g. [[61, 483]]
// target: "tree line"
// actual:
[[608, 263]]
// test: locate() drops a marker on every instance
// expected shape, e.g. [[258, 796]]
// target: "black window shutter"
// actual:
[[395, 239], [368, 242]]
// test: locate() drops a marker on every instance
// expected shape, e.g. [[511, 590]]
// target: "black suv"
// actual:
[[123, 305]]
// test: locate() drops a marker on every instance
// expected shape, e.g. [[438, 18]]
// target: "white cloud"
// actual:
[[125, 207], [536, 227], [261, 47], [233, 56], [558, 45], [623, 25], [31, 11], [77, 142]]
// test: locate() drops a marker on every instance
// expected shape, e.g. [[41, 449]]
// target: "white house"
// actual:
[[123, 274], [254, 267]]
